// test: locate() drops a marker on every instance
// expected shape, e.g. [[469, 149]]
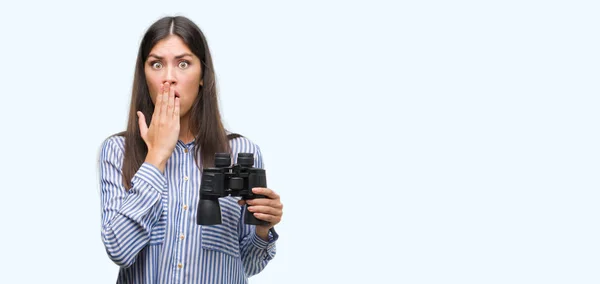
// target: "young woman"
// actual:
[[150, 174]]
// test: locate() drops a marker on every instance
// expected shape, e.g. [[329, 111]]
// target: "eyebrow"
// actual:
[[176, 57]]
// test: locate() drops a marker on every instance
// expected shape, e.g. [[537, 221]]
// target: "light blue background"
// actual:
[[411, 142]]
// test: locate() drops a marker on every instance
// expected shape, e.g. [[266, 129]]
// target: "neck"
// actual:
[[185, 135]]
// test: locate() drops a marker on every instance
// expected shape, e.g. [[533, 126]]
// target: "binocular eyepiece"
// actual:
[[225, 180]]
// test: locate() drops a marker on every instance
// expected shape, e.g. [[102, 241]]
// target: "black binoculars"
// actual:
[[224, 180]]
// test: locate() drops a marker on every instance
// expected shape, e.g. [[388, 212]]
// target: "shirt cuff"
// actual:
[[262, 244], [152, 176]]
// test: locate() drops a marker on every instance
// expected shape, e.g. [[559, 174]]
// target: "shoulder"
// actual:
[[242, 144], [113, 146]]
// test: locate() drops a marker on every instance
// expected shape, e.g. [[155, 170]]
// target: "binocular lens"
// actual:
[[222, 160], [246, 159]]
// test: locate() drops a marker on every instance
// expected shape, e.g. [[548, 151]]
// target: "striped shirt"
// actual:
[[150, 231]]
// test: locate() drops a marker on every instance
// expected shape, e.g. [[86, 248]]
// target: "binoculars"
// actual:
[[224, 180]]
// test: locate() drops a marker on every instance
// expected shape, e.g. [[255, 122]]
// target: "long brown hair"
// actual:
[[205, 119]]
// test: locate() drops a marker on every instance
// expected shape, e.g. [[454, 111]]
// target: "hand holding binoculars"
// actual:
[[225, 180]]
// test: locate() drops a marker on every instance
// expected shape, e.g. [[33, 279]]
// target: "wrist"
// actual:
[[262, 232], [156, 160]]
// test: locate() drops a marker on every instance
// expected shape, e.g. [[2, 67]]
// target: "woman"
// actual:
[[150, 174]]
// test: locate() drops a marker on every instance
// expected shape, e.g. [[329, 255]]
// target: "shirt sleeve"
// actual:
[[129, 218], [255, 252]]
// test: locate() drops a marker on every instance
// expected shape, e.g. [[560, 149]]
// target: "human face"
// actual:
[[171, 61]]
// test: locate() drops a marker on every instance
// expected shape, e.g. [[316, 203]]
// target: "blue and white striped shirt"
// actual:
[[150, 231]]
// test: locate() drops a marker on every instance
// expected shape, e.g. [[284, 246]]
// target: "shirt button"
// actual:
[[185, 178], [181, 237], [185, 207], [185, 150], [179, 265]]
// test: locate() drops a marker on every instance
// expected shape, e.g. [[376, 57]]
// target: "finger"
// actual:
[[266, 192], [275, 203], [171, 102], [165, 101], [273, 220], [157, 104], [142, 124], [177, 109], [265, 210]]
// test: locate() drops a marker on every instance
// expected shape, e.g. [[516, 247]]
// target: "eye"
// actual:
[[156, 65], [184, 64]]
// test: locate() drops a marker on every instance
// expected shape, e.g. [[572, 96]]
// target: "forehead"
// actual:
[[172, 45]]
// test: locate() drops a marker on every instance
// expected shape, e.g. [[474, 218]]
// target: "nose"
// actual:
[[170, 76]]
